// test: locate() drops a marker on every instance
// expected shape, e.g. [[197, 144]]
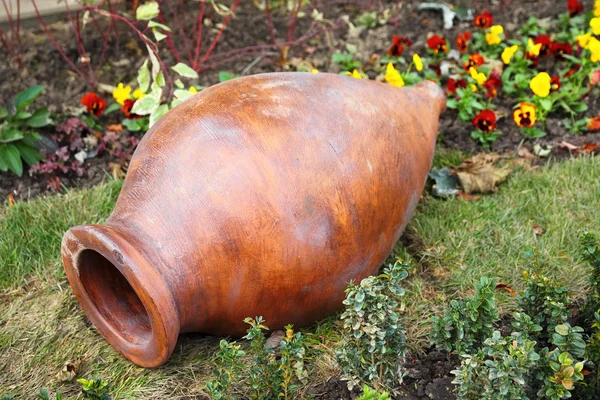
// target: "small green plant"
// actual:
[[346, 59], [373, 343], [469, 321], [275, 375], [17, 131], [498, 370], [44, 395], [95, 388], [370, 394], [372, 19], [228, 366]]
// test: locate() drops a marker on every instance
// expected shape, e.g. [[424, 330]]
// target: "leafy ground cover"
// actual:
[[450, 243]]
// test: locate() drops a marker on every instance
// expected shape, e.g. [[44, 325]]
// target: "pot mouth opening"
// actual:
[[114, 298]]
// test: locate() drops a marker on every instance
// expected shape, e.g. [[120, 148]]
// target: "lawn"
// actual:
[[451, 243]]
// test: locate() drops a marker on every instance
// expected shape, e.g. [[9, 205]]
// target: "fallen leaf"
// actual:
[[69, 371], [54, 183], [542, 151], [588, 148], [115, 170], [466, 196], [538, 230], [310, 49], [509, 289], [479, 174], [11, 199], [118, 128], [526, 154], [445, 183], [274, 340], [568, 146]]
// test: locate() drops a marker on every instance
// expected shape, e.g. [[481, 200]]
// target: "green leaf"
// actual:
[[160, 79], [3, 112], [10, 134], [40, 118], [157, 113], [147, 11], [145, 105], [185, 71], [27, 96], [158, 35], [31, 155], [153, 24], [112, 108], [11, 156], [546, 104], [182, 94], [143, 77], [154, 61], [23, 115], [562, 330], [132, 125], [225, 76]]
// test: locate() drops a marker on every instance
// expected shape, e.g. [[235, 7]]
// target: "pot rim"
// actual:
[[148, 284]]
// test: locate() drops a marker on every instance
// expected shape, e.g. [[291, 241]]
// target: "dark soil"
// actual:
[[427, 377]]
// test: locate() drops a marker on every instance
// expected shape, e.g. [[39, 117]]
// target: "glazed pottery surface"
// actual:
[[263, 195]]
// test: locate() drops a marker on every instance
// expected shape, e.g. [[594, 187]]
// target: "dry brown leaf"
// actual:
[[509, 289], [479, 174], [118, 128], [589, 148], [273, 341], [69, 371], [115, 170], [568, 146], [466, 196], [11, 199], [538, 230]]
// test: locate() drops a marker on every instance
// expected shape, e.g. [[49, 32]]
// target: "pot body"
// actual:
[[263, 195]]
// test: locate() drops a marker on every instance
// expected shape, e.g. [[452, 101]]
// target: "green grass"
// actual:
[[451, 242]]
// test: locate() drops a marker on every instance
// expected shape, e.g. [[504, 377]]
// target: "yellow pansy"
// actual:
[[473, 88], [493, 36], [533, 49], [540, 84], [594, 47], [583, 40], [392, 76], [193, 90], [138, 94], [354, 74], [418, 62], [597, 8], [508, 53], [479, 77], [121, 93], [314, 71], [595, 25]]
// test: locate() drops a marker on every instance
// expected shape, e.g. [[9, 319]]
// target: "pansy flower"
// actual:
[[493, 84], [354, 74], [94, 103], [417, 62], [583, 40], [593, 124], [594, 48], [546, 43], [485, 121], [397, 47], [392, 76], [595, 25], [508, 53], [437, 44], [524, 116], [483, 20], [121, 93], [540, 84], [554, 83], [126, 108], [559, 49], [454, 84], [575, 7], [494, 35], [475, 60], [462, 41], [478, 77]]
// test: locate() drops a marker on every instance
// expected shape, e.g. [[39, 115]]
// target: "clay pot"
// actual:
[[264, 195]]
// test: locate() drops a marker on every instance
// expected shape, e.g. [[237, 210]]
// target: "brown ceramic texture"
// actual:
[[263, 195]]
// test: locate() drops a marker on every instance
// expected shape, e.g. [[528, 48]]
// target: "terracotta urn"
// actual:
[[263, 195]]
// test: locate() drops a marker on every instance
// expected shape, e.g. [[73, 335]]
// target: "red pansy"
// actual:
[[492, 84], [397, 47], [462, 41], [484, 20], [126, 108], [94, 103], [485, 121], [474, 61], [575, 7], [546, 43], [437, 44], [558, 49], [554, 83], [454, 84]]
